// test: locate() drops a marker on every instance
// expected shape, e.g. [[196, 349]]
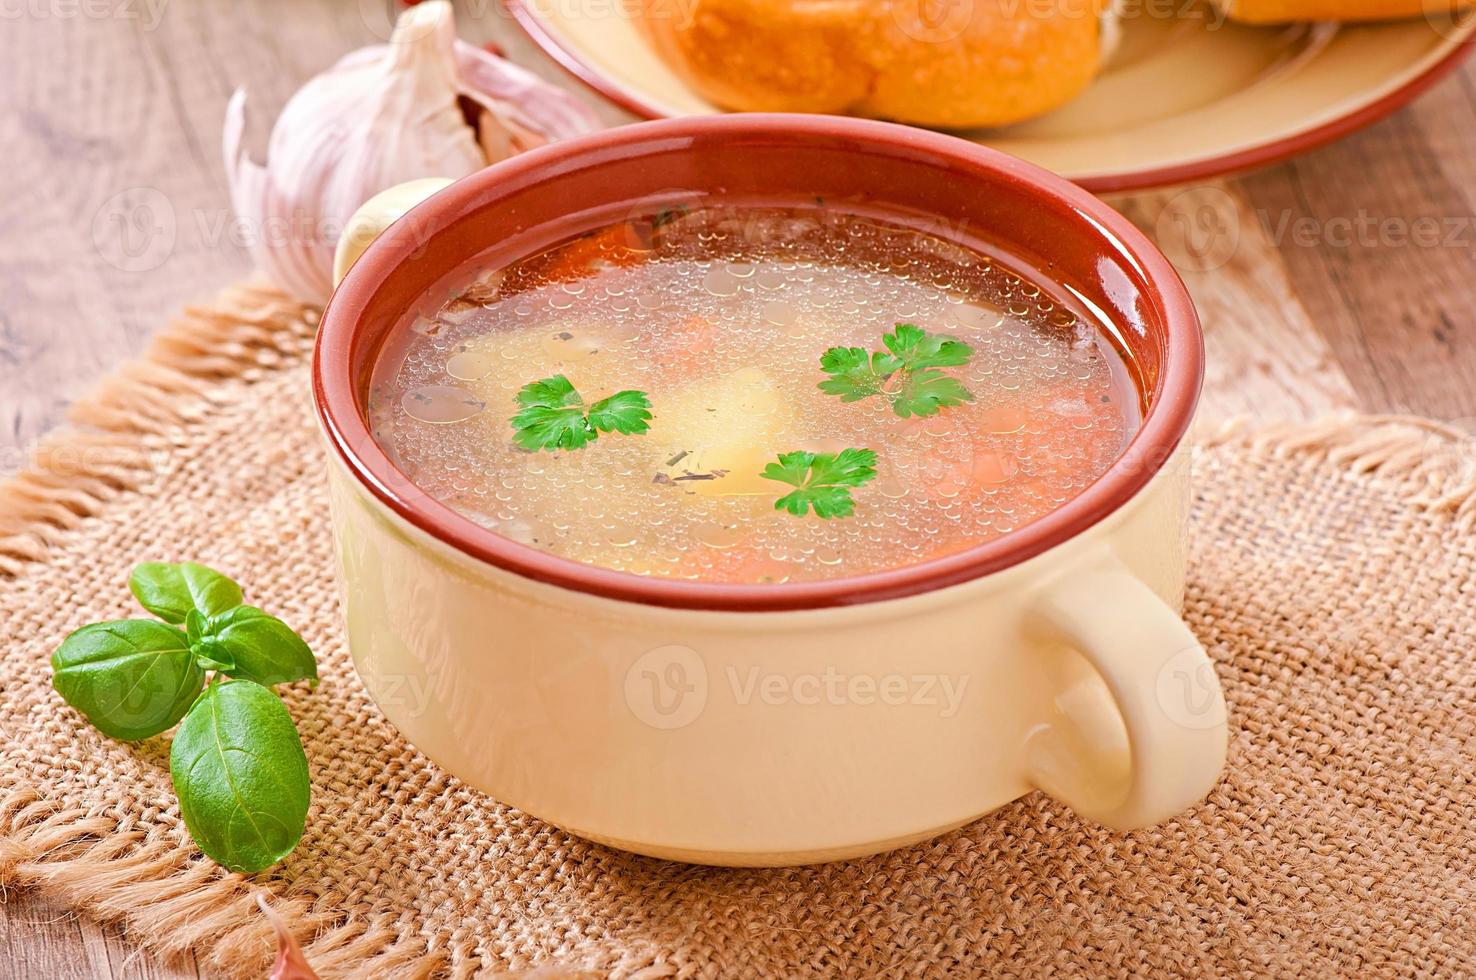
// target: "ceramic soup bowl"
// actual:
[[781, 724]]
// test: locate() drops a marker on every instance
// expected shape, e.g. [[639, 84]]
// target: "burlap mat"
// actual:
[[1333, 581]]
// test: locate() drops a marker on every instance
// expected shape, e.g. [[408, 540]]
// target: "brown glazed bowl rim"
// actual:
[[1172, 401]]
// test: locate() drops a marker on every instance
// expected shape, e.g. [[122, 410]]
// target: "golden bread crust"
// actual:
[[946, 63]]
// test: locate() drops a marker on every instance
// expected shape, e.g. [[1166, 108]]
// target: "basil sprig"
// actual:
[[236, 761]]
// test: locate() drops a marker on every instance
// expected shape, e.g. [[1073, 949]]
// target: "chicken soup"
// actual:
[[755, 395]]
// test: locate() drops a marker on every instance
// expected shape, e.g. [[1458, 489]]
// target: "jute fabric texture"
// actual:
[[1333, 581]]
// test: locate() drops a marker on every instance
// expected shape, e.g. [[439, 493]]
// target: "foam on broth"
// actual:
[[721, 315]]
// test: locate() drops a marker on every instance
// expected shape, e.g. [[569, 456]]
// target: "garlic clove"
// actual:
[[290, 963], [381, 116], [530, 111]]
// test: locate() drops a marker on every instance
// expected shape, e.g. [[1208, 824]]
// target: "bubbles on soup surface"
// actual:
[[721, 316]]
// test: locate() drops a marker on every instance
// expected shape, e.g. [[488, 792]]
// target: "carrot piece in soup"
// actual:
[[619, 245], [689, 346]]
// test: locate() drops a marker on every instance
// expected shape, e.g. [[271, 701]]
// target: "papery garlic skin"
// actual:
[[380, 116], [290, 963]]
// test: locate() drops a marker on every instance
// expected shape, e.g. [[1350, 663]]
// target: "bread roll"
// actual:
[[1285, 11], [944, 63]]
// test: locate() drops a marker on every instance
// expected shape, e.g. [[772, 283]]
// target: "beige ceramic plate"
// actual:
[[1180, 98]]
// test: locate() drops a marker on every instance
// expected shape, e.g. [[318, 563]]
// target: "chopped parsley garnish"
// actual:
[[906, 374], [822, 481], [554, 416]]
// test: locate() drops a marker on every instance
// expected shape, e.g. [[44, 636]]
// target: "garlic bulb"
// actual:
[[382, 115]]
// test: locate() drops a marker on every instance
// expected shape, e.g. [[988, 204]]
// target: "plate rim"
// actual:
[[1147, 178]]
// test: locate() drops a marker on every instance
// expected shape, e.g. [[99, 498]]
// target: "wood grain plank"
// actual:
[[1378, 235], [46, 942], [95, 250], [42, 941], [110, 954], [1265, 359]]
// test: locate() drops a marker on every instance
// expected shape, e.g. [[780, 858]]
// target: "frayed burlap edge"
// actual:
[[170, 903], [166, 900], [1433, 464]]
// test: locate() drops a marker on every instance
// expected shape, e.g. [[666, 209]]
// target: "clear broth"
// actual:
[[721, 316]]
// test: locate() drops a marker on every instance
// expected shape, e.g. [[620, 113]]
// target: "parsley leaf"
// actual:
[[554, 416], [626, 412], [854, 374], [927, 392], [906, 374], [918, 349], [821, 480]]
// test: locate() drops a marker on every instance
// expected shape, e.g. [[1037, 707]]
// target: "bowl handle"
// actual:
[[377, 214], [1165, 691]]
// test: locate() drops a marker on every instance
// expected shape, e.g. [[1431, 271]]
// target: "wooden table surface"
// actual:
[[1345, 279]]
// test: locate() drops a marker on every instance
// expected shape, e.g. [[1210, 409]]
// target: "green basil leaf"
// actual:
[[212, 657], [171, 591], [248, 643], [241, 776], [194, 625], [132, 679]]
